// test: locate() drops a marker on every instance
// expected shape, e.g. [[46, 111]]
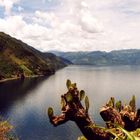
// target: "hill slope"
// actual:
[[101, 58], [55, 58], [17, 57]]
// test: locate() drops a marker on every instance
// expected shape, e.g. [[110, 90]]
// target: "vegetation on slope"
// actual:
[[17, 57]]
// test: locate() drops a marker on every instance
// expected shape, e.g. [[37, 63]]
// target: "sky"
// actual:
[[73, 25]]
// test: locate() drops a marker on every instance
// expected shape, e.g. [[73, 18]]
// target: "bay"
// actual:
[[25, 103]]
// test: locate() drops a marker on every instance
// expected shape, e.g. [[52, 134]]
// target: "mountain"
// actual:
[[63, 61], [102, 58], [17, 58]]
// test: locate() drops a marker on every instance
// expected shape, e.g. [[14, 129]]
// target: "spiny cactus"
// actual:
[[113, 113], [50, 112], [111, 102], [87, 103], [132, 103], [82, 95], [68, 84], [69, 97], [63, 102], [118, 105]]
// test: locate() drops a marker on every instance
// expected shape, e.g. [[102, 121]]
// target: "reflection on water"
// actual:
[[16, 90], [24, 103]]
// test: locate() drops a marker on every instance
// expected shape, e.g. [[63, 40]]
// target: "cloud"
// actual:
[[75, 25], [20, 9], [79, 12], [12, 24], [8, 4], [89, 23], [45, 18]]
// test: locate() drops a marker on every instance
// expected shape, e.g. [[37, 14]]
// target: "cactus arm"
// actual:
[[125, 116], [58, 120], [73, 110]]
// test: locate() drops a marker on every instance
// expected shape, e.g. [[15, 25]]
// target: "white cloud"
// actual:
[[89, 23], [45, 18], [12, 24], [20, 9], [8, 4], [77, 25]]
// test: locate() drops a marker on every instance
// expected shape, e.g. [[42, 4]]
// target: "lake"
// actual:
[[25, 103]]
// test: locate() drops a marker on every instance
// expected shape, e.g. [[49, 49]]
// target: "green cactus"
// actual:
[[81, 138], [87, 103], [50, 112], [68, 84], [74, 85], [111, 102], [132, 103], [82, 95], [69, 97], [63, 102], [118, 105]]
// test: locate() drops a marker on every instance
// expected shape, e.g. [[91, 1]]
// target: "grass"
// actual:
[[27, 71]]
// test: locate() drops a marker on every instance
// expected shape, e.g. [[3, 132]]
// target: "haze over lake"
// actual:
[[25, 103]]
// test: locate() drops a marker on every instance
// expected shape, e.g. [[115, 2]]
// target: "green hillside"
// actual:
[[17, 57]]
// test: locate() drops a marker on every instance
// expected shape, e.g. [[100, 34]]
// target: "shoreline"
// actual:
[[17, 78], [32, 76], [7, 79]]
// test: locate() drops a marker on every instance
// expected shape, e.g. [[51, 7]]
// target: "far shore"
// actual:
[[16, 78]]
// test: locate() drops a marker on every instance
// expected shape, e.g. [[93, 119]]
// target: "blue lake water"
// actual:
[[25, 103]]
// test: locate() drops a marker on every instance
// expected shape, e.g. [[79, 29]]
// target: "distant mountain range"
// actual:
[[18, 58], [102, 58]]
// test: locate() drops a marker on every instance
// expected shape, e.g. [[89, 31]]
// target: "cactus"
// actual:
[[73, 85], [114, 113], [81, 138], [118, 105], [82, 95], [87, 103], [111, 102], [68, 84], [69, 97], [132, 103], [50, 112], [63, 102]]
